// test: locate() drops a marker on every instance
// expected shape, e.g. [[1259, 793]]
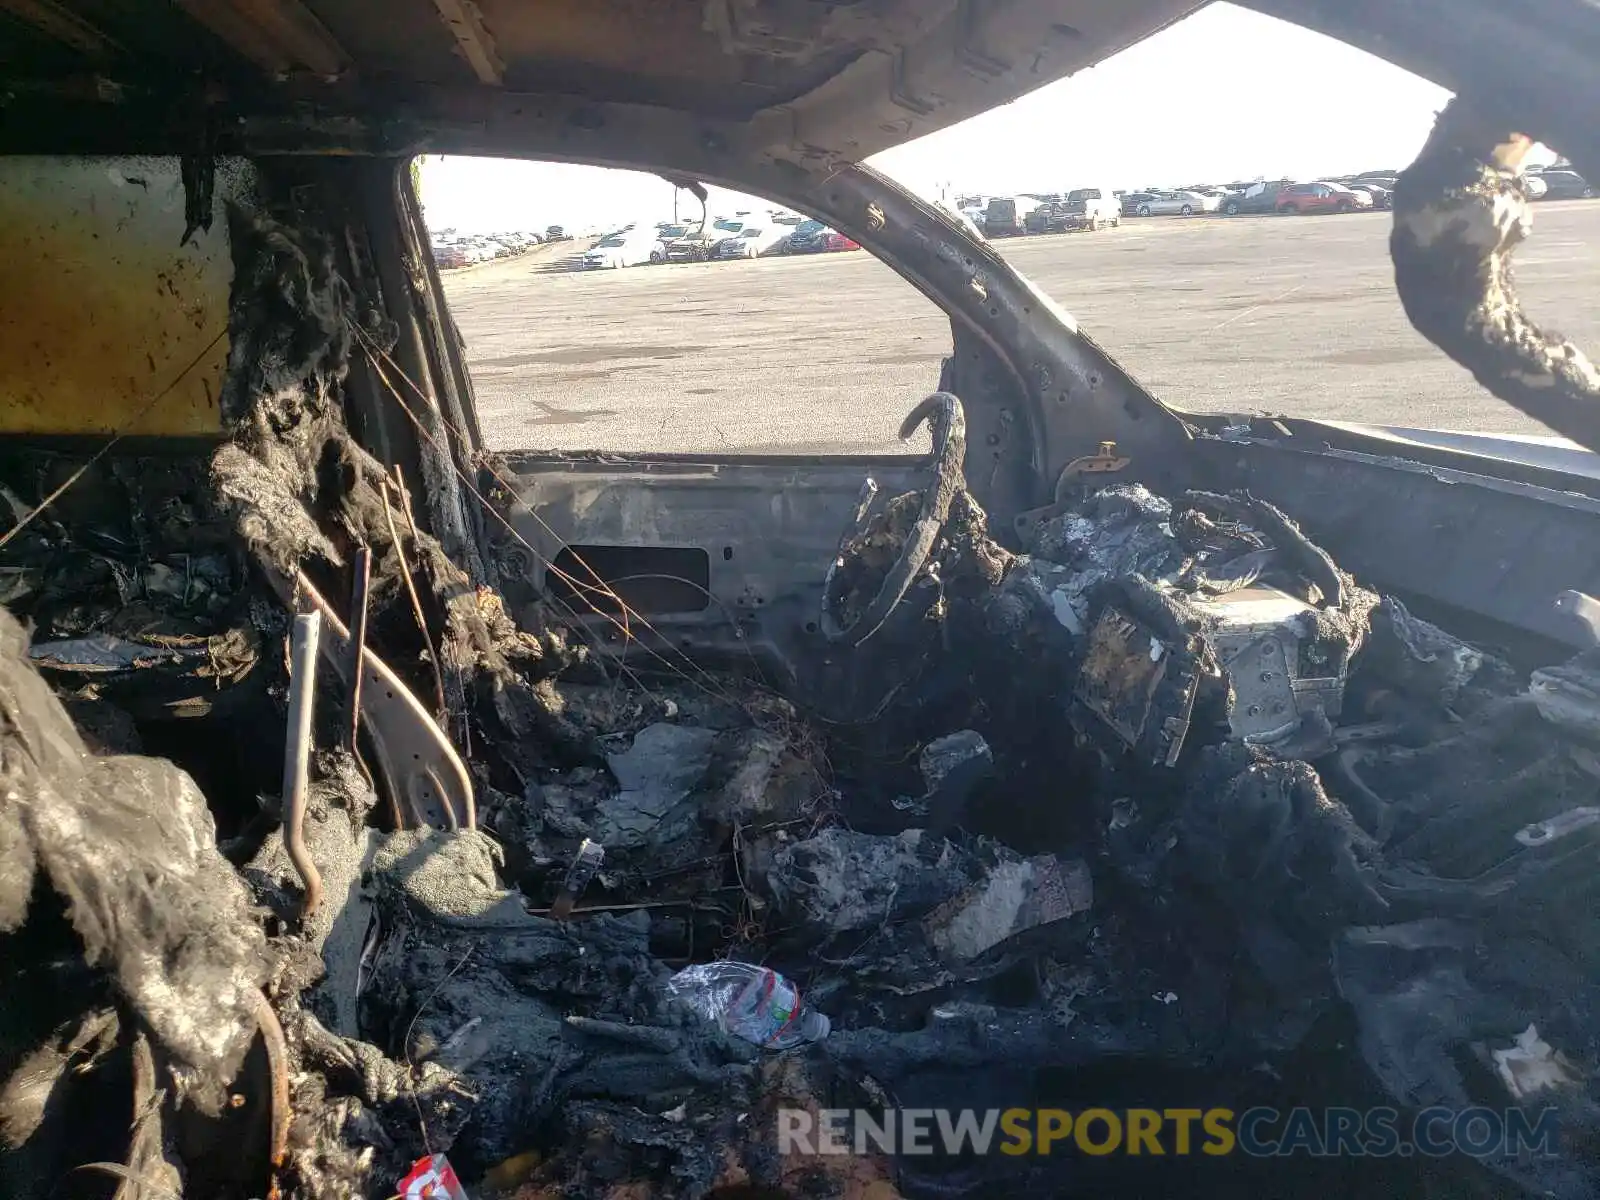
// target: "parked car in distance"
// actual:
[[1382, 197], [691, 242], [1306, 198], [1050, 217], [807, 238], [556, 233], [1046, 218], [752, 241], [1258, 197], [624, 248], [1133, 201], [1562, 184], [1175, 204], [1090, 208], [1007, 216], [834, 240], [666, 233]]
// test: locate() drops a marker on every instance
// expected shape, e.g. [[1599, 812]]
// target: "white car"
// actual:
[[1092, 208], [624, 248], [752, 241], [666, 234]]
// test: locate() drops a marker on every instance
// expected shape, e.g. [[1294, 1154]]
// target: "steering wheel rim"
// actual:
[[943, 412]]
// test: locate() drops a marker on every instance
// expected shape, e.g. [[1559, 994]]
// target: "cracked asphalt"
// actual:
[[825, 354]]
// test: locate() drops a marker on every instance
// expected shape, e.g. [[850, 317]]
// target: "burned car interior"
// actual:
[[366, 791]]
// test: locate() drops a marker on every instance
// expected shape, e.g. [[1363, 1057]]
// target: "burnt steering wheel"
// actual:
[[943, 412]]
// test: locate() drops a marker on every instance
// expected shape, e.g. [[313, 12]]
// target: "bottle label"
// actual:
[[784, 1003], [772, 1002]]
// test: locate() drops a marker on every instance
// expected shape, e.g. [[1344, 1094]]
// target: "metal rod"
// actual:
[[416, 609], [278, 1073], [405, 501], [297, 752], [458, 674], [360, 589]]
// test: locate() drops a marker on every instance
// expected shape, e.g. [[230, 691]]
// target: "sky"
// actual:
[[1222, 95]]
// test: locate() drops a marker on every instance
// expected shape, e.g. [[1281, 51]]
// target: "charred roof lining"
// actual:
[[814, 83], [476, 45], [279, 36], [62, 25], [835, 81]]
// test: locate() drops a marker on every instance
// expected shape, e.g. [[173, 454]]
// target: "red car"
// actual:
[[1303, 198], [833, 240]]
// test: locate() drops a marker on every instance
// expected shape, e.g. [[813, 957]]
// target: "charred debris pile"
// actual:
[[1168, 793]]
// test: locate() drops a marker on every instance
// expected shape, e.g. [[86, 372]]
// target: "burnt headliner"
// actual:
[[772, 95], [830, 79]]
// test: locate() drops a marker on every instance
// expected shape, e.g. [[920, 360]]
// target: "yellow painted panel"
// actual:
[[100, 309]]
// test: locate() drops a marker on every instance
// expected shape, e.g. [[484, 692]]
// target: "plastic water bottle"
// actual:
[[750, 1002]]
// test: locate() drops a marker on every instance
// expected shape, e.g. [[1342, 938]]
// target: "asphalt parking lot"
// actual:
[[826, 353]]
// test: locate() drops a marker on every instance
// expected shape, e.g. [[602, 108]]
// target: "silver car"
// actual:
[[1177, 204]]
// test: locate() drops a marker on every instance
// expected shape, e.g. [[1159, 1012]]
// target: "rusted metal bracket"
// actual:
[[1106, 461], [426, 780]]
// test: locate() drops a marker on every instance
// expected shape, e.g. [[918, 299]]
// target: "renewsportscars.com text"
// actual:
[[1483, 1133]]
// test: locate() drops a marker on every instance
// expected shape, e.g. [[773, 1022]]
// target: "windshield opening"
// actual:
[[1270, 295], [758, 332]]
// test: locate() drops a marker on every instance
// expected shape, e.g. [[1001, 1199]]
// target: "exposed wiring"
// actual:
[[416, 605], [127, 428], [623, 626], [411, 1069]]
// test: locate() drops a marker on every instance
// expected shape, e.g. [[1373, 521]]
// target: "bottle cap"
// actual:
[[813, 1026]]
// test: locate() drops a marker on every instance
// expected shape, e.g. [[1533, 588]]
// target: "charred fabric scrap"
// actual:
[[1460, 212], [1167, 789]]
